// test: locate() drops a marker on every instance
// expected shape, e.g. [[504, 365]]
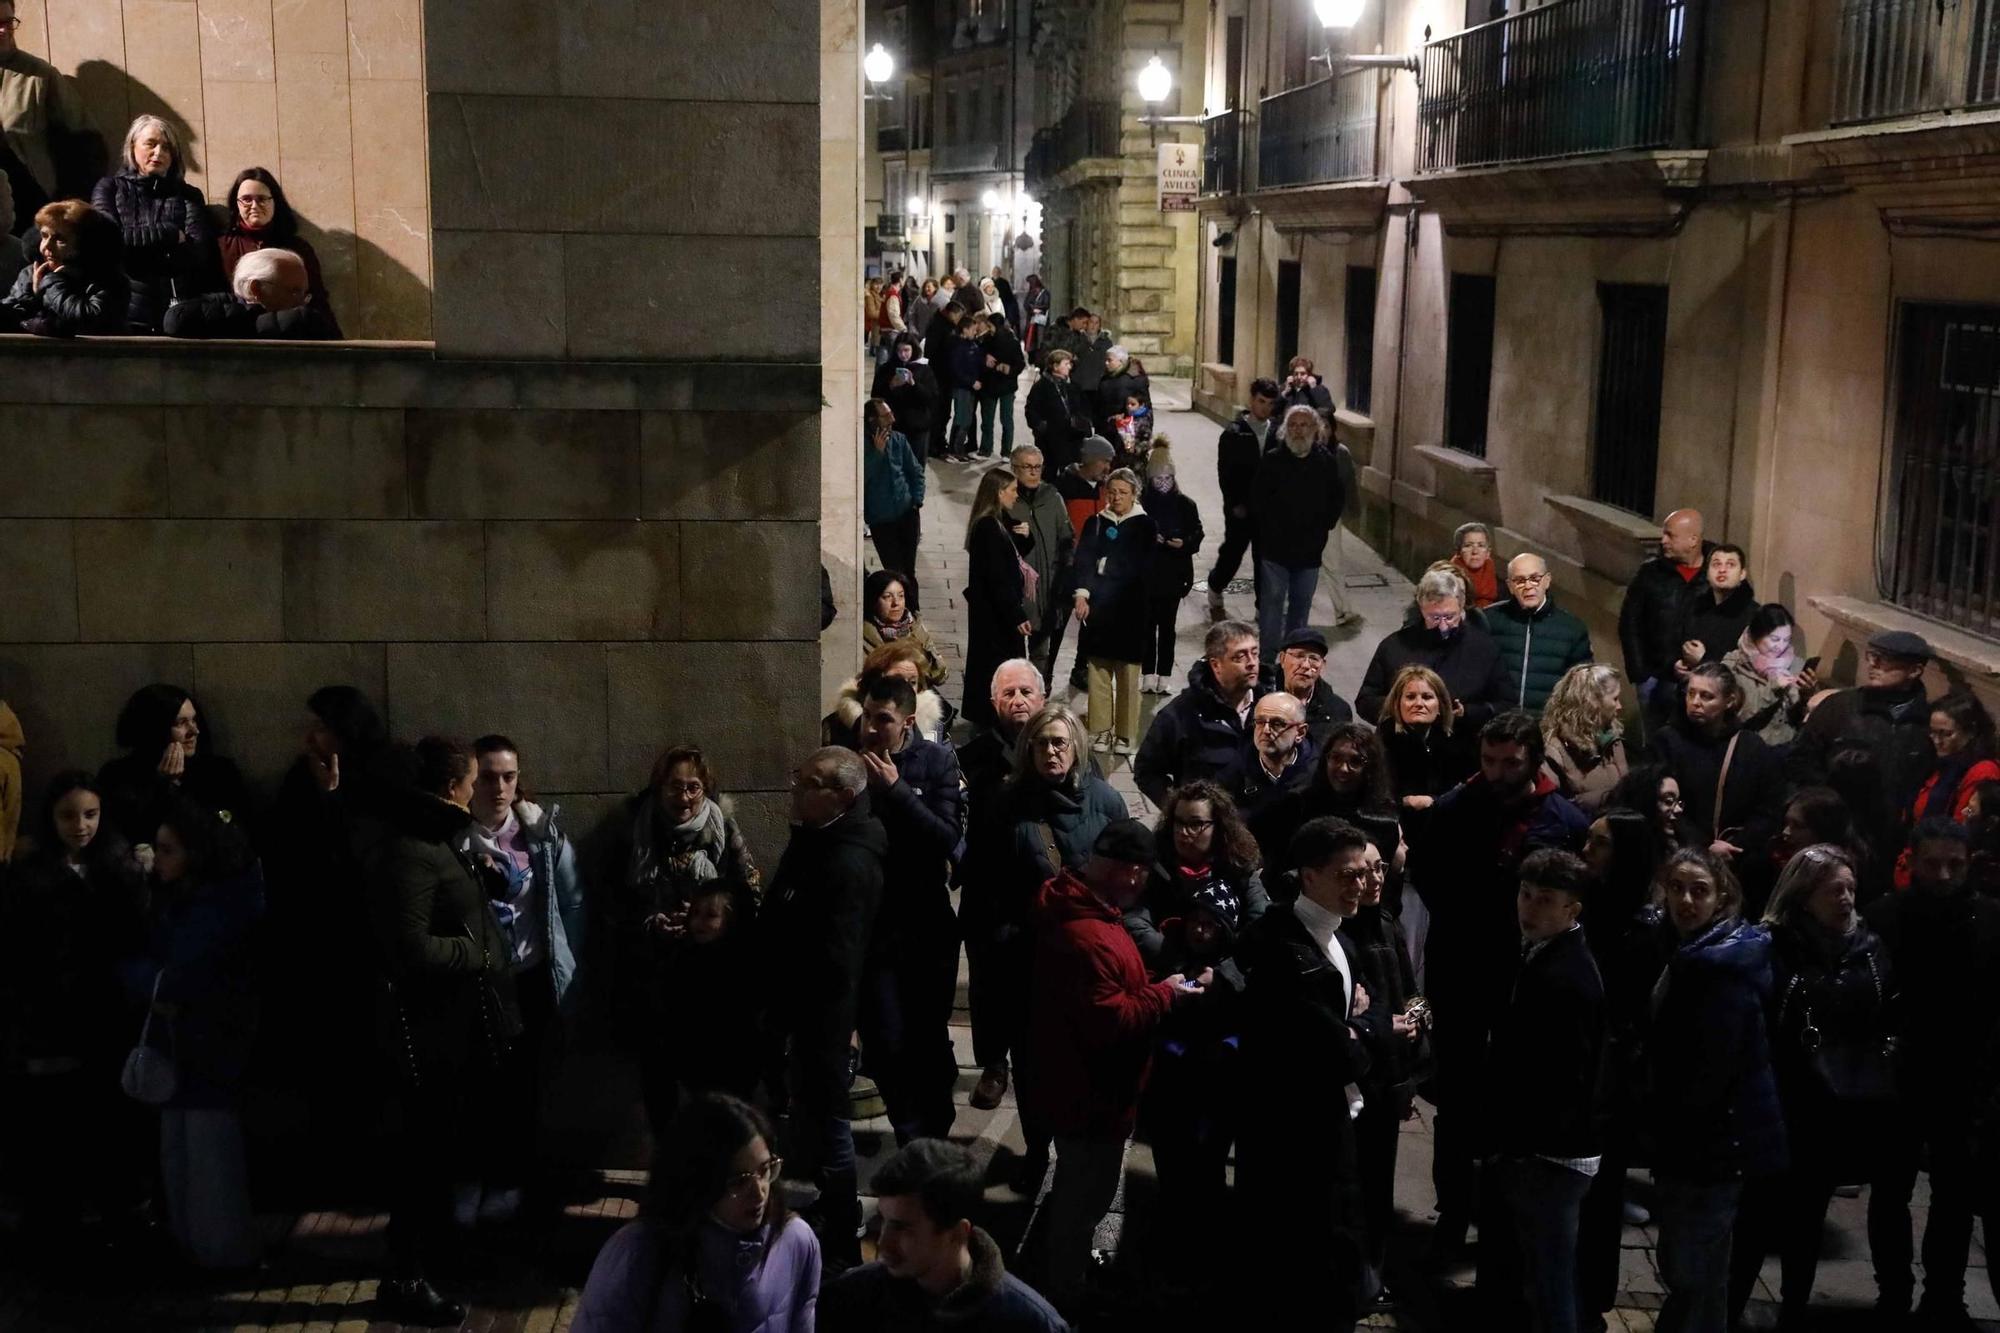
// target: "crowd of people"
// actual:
[[141, 251]]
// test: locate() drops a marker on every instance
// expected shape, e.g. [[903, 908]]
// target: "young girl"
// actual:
[[890, 617], [1177, 536], [73, 909], [1135, 431]]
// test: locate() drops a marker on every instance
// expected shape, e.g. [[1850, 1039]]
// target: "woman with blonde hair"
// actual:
[[1430, 750], [1583, 728], [170, 247]]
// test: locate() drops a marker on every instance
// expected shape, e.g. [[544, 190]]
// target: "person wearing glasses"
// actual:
[[260, 217], [715, 1246], [1277, 760], [1538, 640], [1886, 717], [39, 108], [1458, 649]]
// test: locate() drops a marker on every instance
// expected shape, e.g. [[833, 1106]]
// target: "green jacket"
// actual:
[[1536, 648]]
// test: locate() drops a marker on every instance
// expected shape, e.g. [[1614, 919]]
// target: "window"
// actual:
[[1232, 65], [1625, 451], [1225, 311], [1000, 108], [1468, 362], [975, 105], [1360, 338], [1944, 488], [1288, 312], [951, 114]]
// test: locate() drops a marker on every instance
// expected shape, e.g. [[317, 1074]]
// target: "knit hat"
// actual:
[[1125, 840], [1902, 643], [1219, 901], [1096, 449]]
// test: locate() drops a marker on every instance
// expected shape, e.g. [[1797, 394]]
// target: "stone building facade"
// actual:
[[1093, 167], [1727, 255], [587, 514]]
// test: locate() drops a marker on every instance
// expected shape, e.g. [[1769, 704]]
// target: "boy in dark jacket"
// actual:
[[1543, 1132]]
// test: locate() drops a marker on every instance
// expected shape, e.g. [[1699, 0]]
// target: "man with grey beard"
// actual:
[[1295, 501]]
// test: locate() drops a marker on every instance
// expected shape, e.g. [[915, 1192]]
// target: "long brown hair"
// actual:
[[986, 503], [1232, 842]]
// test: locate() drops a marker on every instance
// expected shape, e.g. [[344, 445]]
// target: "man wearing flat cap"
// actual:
[[1301, 660], [1093, 1016], [1883, 722]]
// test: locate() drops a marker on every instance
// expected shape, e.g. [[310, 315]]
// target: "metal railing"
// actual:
[[1090, 128], [891, 226], [892, 139], [1319, 132], [1576, 76], [1222, 153], [1902, 57], [959, 158]]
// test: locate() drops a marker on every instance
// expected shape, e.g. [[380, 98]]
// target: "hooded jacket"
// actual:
[[839, 727], [869, 1299], [1468, 660], [12, 742], [1196, 734], [1536, 648], [1081, 499], [1649, 619], [915, 403], [1294, 503], [1093, 1014]]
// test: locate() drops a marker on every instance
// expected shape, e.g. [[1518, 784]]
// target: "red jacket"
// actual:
[[1983, 771], [1093, 1014]]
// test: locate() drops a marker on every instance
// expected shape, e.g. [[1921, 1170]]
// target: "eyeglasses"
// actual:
[[1053, 744], [744, 1184], [1193, 825], [1671, 802], [1443, 619], [1272, 724], [1527, 580], [8, 25], [254, 200], [691, 788]]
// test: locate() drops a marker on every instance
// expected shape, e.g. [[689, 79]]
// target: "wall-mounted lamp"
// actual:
[[1340, 16], [1156, 84], [879, 67]]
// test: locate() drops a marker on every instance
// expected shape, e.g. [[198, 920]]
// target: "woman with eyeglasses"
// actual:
[[715, 1246], [678, 839], [260, 217]]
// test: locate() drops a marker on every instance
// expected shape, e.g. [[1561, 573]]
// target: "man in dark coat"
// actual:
[[1295, 502], [819, 915], [1237, 454], [1095, 1017], [1462, 653], [1056, 412], [940, 337], [1304, 1022], [1301, 659], [1945, 940], [1198, 732], [937, 1271], [912, 975], [1538, 640], [272, 299], [1543, 1097], [1711, 625], [1884, 723], [992, 912], [1278, 760], [1468, 871], [1649, 621]]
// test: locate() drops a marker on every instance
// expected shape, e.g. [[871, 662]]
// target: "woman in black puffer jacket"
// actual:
[[170, 249]]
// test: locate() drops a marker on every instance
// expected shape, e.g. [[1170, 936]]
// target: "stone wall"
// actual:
[[326, 93]]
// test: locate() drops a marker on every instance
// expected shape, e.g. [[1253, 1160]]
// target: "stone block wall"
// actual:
[[595, 559], [328, 94]]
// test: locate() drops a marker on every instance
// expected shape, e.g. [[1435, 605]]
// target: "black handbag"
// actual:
[[1859, 1069]]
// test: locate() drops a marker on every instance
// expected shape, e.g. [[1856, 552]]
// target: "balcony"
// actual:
[[892, 139], [1222, 153], [1089, 129], [1906, 57], [959, 159], [891, 226], [1319, 133], [1569, 78]]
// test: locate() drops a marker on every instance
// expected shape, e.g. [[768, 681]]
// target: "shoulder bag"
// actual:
[[149, 1075]]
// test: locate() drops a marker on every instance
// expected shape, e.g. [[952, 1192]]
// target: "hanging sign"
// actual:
[[1180, 177]]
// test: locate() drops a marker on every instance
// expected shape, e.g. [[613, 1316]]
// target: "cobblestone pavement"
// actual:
[[321, 1274]]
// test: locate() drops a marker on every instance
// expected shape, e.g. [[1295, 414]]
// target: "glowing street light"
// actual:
[[878, 64], [914, 205], [1339, 13], [1154, 82], [990, 201]]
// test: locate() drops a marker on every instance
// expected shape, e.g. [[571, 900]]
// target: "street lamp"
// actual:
[[878, 64], [914, 205], [1155, 83], [1338, 13], [990, 201]]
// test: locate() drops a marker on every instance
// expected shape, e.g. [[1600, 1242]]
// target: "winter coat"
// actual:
[[940, 340], [1274, 824], [1196, 734], [169, 240], [224, 315], [1752, 799], [915, 403], [1649, 619], [1004, 377], [1431, 761], [923, 814], [1888, 728], [1174, 514], [235, 243], [201, 949], [1536, 648], [1052, 544], [60, 997], [1544, 1094], [1114, 561], [1772, 711], [1842, 989], [819, 917], [892, 480], [71, 301], [1965, 779], [995, 592], [1255, 790], [985, 907], [869, 1299], [1036, 816], [552, 862], [935, 671], [12, 742], [1057, 416], [1397, 1063], [1092, 1013], [1314, 395], [1469, 661], [968, 363], [1325, 710], [1712, 1102], [1294, 503], [1586, 776], [1718, 626], [1081, 499], [1170, 895], [1088, 372], [137, 796], [768, 1286], [842, 726], [1113, 390], [1237, 454], [1946, 950]]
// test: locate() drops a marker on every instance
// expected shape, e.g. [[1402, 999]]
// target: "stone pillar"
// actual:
[[846, 369]]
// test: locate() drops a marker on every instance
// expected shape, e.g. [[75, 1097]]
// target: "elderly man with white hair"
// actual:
[[270, 300], [1296, 499], [1123, 379], [1459, 650]]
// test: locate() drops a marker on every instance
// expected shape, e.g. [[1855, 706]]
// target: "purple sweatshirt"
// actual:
[[774, 1291]]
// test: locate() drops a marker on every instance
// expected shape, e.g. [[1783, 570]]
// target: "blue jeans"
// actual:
[[1533, 1206], [1004, 405], [1284, 602], [1695, 1221], [964, 420]]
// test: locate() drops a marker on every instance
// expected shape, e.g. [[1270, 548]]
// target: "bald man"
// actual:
[[1649, 623], [1538, 640], [1277, 757]]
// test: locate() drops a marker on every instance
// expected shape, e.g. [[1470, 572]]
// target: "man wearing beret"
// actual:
[[1883, 723], [1301, 661]]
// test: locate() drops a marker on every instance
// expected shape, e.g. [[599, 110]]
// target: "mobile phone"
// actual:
[[1812, 663]]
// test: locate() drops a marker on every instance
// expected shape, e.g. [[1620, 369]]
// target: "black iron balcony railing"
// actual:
[[1222, 153], [1903, 57], [1317, 133], [1088, 129], [1576, 76], [891, 226], [892, 139], [1035, 168]]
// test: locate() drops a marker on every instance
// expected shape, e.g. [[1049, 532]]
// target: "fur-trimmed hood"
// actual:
[[932, 714]]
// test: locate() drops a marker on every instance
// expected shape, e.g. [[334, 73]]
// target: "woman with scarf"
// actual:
[[1774, 682], [1114, 559], [1472, 556], [1962, 735], [889, 617], [678, 839]]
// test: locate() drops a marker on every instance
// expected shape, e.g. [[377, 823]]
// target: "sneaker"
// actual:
[[1146, 683], [1121, 746], [991, 1088], [1102, 744]]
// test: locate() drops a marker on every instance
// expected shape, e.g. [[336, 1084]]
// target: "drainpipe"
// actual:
[[1402, 364]]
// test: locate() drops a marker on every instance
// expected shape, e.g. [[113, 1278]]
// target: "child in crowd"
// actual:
[[1135, 431], [712, 983], [889, 618]]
